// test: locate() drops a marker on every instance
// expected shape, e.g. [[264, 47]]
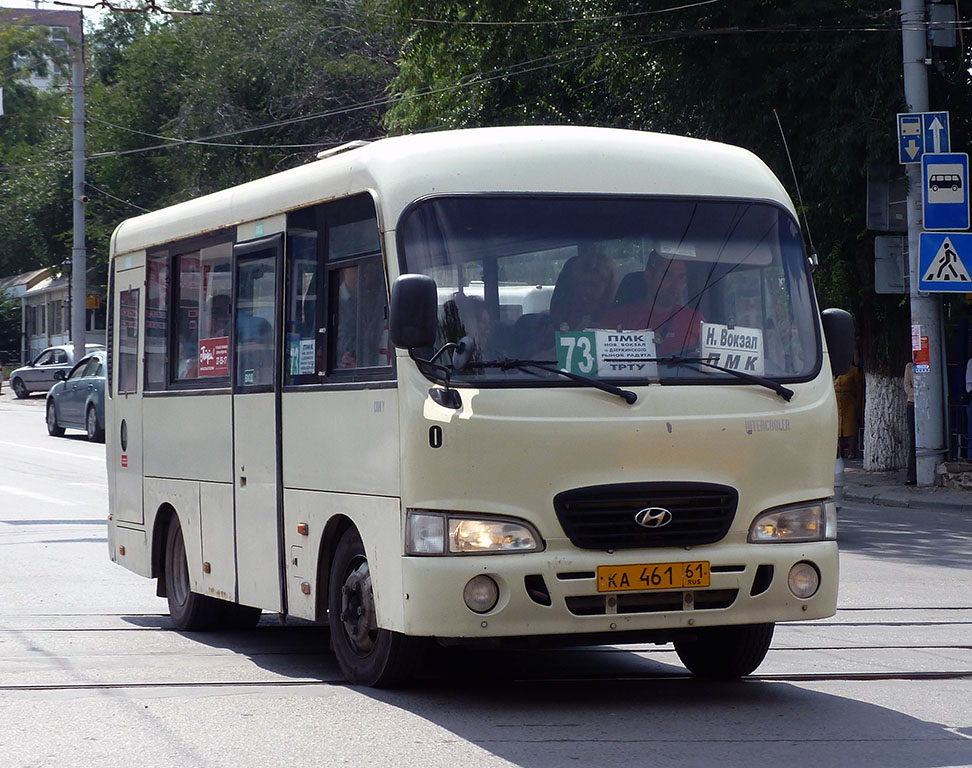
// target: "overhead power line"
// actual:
[[150, 6]]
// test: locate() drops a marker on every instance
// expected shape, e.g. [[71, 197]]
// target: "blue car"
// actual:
[[77, 400]]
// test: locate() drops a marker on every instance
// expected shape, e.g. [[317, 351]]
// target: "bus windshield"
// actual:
[[628, 289]]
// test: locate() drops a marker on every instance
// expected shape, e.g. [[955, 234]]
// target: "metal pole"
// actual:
[[79, 265], [930, 444]]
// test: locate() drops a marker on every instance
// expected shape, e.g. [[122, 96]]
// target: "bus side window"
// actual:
[[357, 296], [359, 312], [157, 322], [304, 344], [128, 341], [202, 313]]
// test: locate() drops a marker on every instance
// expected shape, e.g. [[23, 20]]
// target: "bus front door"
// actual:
[[256, 433]]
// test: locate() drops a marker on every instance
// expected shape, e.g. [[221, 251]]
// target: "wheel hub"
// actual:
[[358, 609]]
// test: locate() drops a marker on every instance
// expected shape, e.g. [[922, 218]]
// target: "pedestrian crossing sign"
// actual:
[[944, 261]]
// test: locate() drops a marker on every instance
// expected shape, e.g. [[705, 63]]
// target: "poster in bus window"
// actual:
[[214, 356]]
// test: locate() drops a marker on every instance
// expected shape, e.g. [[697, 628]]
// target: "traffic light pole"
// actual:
[[930, 443]]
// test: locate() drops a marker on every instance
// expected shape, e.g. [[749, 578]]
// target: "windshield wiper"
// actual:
[[778, 388], [550, 366]]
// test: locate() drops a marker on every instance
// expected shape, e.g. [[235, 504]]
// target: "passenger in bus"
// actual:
[[660, 308], [219, 316], [347, 319], [254, 345], [585, 289]]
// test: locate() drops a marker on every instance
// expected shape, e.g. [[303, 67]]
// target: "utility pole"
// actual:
[[926, 312], [79, 260]]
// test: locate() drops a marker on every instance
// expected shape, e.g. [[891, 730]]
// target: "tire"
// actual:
[[725, 653], [190, 611], [367, 654], [96, 434], [52, 429], [19, 389]]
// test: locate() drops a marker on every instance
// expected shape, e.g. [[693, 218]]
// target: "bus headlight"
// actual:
[[816, 521], [442, 533]]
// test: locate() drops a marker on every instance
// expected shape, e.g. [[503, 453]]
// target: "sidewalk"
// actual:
[[889, 489]]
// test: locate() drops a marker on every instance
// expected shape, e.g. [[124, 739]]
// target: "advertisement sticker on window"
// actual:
[[214, 356]]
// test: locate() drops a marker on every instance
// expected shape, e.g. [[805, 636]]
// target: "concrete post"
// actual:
[[79, 260], [930, 438]]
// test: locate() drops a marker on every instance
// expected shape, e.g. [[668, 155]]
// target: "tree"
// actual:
[[33, 174]]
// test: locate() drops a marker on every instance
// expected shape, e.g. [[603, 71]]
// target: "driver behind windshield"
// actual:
[[657, 304]]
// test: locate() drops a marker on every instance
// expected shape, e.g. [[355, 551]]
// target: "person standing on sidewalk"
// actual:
[[967, 400], [849, 388], [909, 388]]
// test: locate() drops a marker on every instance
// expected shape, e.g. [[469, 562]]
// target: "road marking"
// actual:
[[35, 496], [51, 450]]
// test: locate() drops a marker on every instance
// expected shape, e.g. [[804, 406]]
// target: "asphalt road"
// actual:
[[92, 675]]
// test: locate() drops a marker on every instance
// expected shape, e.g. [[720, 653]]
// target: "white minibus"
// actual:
[[536, 384]]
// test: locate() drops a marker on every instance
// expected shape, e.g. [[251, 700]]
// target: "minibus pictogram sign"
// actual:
[[945, 190]]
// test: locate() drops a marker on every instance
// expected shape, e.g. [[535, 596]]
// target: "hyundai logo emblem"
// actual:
[[653, 517]]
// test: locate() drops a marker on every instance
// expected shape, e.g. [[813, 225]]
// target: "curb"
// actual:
[[888, 501]]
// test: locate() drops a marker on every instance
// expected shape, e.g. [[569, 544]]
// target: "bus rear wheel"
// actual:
[[366, 653], [725, 653], [190, 611]]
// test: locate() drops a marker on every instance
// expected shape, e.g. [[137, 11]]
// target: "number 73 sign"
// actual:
[[607, 354]]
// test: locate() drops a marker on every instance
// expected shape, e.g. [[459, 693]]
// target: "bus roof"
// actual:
[[537, 159]]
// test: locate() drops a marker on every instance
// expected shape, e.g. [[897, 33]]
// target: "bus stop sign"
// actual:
[[945, 190]]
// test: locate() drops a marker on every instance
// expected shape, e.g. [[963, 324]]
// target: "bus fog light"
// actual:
[[480, 594], [804, 580]]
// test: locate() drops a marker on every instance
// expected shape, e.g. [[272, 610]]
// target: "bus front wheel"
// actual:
[[725, 653], [366, 653]]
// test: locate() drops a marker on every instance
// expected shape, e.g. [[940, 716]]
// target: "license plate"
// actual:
[[626, 578]]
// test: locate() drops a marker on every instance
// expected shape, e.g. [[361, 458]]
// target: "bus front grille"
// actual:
[[606, 516]]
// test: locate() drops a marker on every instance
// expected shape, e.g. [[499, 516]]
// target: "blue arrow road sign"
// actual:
[[944, 261], [921, 132], [945, 190]]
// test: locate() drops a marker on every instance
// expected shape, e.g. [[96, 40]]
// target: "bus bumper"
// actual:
[[555, 593]]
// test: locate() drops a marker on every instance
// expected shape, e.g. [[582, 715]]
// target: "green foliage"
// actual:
[[9, 329], [246, 90], [32, 144]]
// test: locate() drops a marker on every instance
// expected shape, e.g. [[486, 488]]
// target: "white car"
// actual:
[[38, 375]]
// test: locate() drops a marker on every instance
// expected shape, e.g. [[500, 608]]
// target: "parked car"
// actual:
[[77, 400], [38, 375]]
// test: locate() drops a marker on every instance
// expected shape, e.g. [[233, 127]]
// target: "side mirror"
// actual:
[[59, 375], [413, 315], [838, 328]]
